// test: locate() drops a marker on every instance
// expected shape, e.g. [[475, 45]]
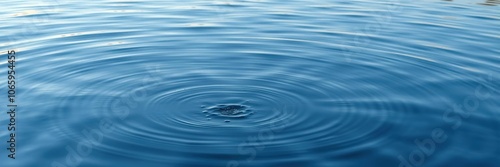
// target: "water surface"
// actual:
[[255, 83]]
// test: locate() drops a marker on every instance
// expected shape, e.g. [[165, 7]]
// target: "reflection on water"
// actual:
[[255, 83], [491, 2], [487, 2]]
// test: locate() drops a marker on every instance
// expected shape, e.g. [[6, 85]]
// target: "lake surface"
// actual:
[[254, 83]]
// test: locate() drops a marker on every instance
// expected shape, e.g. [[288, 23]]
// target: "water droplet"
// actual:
[[226, 111]]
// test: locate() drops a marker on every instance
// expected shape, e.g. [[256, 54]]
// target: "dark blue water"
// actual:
[[253, 83]]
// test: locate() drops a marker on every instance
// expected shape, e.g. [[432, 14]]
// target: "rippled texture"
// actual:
[[255, 83]]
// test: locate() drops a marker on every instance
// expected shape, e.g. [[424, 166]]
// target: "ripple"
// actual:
[[228, 111], [255, 71]]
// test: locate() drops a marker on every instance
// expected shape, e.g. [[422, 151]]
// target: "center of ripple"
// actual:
[[227, 111]]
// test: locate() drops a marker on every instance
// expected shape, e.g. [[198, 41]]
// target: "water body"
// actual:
[[254, 83]]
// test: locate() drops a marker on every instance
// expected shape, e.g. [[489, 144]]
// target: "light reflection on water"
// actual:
[[296, 83]]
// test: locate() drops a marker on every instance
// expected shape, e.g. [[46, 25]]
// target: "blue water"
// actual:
[[253, 83]]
